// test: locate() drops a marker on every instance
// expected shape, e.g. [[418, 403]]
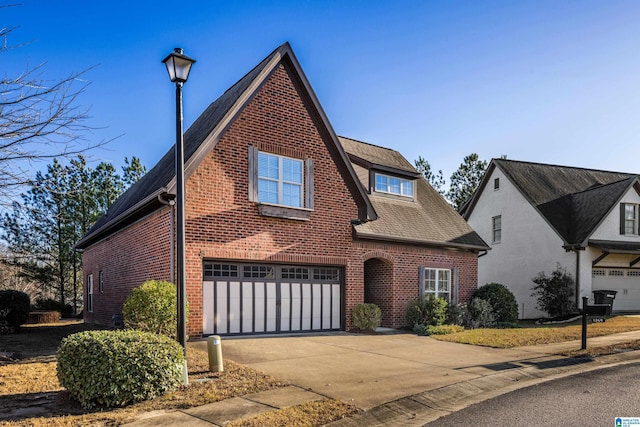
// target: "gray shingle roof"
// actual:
[[375, 155], [427, 220], [574, 201]]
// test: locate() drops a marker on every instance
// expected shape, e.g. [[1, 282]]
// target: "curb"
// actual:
[[422, 408]]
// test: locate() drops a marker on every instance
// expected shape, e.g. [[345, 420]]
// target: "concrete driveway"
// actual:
[[369, 370]]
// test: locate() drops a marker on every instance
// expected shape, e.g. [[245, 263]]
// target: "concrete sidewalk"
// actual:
[[397, 379]]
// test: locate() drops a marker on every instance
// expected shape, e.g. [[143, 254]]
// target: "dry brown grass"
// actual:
[[517, 337], [27, 382], [314, 413]]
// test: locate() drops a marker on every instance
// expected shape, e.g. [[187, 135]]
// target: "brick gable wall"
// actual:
[[222, 224]]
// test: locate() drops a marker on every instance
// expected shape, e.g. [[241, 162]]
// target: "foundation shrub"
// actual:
[[455, 314], [427, 310], [479, 314], [116, 368], [555, 292], [366, 317], [502, 300]]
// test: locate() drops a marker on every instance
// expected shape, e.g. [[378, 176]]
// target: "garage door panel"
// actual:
[[259, 305], [247, 307], [296, 307], [221, 307], [235, 312], [271, 309], [207, 308], [305, 296], [336, 306], [285, 307]]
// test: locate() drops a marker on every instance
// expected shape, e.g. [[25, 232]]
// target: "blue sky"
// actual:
[[545, 81]]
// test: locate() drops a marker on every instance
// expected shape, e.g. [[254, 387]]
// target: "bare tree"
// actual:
[[40, 119]]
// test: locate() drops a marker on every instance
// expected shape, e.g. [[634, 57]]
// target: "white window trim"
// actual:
[[278, 210], [453, 283], [403, 182]]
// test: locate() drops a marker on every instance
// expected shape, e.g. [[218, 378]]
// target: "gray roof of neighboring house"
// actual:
[[143, 197], [428, 220], [574, 201]]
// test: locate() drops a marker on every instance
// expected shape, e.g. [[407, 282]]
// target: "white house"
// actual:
[[535, 216]]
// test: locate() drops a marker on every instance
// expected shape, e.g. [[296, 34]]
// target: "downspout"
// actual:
[[171, 202]]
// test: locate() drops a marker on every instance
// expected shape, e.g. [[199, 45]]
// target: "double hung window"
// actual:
[[628, 218], [280, 180], [90, 293], [496, 229]]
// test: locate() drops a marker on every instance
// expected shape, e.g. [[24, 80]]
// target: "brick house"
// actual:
[[288, 226]]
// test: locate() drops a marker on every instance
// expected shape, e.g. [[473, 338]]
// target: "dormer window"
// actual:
[[393, 185]]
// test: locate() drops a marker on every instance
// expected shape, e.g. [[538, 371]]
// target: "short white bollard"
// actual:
[[214, 348]]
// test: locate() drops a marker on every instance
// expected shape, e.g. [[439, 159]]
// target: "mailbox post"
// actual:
[[585, 301]]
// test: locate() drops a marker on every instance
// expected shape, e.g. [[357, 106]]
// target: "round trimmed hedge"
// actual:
[[116, 368], [501, 299], [152, 307]]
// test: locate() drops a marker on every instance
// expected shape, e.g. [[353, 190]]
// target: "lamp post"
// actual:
[[178, 66]]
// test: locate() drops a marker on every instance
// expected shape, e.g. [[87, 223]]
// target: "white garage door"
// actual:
[[626, 282], [257, 298]]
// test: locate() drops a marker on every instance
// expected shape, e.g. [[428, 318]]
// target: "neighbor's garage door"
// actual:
[[626, 282], [257, 298]]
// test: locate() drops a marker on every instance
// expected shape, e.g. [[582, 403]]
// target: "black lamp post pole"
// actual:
[[180, 238]]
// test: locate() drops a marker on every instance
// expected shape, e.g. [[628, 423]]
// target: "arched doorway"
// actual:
[[378, 288]]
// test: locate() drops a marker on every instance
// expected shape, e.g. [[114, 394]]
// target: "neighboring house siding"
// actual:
[[222, 224], [528, 245], [139, 252]]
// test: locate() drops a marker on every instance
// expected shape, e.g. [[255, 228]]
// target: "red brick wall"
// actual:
[[139, 252], [405, 262]]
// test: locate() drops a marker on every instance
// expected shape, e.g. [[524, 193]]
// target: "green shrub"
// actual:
[[14, 310], [505, 307], [555, 293], [437, 330], [152, 307], [116, 368], [479, 314], [427, 311], [366, 317], [455, 314]]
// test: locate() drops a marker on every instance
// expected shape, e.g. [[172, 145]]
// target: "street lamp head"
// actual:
[[178, 65]]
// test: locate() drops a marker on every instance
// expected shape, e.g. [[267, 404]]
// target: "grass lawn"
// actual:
[[31, 395], [541, 334]]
